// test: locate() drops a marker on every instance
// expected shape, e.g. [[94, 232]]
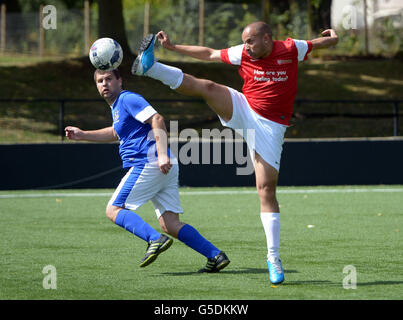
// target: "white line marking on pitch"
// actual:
[[201, 193]]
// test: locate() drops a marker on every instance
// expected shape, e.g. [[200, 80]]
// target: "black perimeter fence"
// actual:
[[310, 112]]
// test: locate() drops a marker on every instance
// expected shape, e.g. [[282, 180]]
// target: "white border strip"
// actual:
[[201, 193]]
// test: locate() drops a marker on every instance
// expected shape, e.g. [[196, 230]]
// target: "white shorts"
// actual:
[[141, 184], [264, 136]]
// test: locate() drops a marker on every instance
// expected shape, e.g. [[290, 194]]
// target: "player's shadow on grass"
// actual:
[[253, 271], [377, 283], [311, 282], [229, 271], [337, 284]]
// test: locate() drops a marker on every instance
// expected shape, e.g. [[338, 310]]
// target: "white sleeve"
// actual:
[[145, 114], [235, 54], [302, 47]]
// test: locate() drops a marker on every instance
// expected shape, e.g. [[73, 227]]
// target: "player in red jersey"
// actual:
[[269, 69]]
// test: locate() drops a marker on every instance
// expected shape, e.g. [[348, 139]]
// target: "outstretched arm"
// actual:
[[102, 135], [329, 39], [198, 52]]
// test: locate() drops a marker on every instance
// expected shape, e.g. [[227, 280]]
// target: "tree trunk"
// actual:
[[266, 7], [309, 16], [325, 11], [111, 23], [366, 28]]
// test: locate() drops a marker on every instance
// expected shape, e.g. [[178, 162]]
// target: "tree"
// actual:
[[318, 13], [266, 10], [111, 23], [12, 5]]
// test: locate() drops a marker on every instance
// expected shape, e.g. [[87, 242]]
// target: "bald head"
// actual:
[[259, 27]]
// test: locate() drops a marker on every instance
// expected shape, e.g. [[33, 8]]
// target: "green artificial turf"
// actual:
[[323, 230]]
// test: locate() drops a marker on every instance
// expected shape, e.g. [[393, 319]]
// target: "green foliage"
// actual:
[[33, 5], [224, 22], [350, 42], [180, 21], [66, 38], [388, 35], [316, 3], [131, 4]]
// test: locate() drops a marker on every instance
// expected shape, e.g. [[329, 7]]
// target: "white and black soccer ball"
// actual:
[[106, 54]]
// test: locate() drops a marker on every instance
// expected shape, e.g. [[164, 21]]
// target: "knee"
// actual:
[[112, 212], [266, 191]]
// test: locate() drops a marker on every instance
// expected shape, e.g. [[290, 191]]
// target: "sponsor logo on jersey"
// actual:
[[284, 61]]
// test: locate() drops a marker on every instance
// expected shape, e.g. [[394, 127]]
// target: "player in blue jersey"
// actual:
[[152, 175]]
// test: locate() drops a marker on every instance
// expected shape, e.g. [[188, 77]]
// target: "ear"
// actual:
[[266, 38]]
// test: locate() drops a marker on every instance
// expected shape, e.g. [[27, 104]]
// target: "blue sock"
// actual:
[[133, 223], [193, 239]]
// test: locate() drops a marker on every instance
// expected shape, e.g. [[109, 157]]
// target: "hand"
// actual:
[[329, 38], [329, 32], [164, 40], [164, 163], [74, 133]]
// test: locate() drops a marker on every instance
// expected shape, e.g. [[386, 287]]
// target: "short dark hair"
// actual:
[[115, 72]]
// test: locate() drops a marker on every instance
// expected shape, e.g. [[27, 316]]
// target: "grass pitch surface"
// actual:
[[326, 233]]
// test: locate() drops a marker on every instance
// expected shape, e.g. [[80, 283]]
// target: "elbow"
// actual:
[[157, 121], [158, 118], [335, 40], [114, 135], [214, 56]]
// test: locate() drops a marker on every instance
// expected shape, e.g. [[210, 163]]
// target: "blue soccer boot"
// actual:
[[276, 272], [145, 56]]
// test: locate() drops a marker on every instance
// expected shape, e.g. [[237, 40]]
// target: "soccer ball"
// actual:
[[106, 54]]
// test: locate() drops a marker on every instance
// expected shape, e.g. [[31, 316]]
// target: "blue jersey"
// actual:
[[129, 112]]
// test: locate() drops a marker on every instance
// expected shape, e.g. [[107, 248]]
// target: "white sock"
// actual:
[[170, 76], [271, 225]]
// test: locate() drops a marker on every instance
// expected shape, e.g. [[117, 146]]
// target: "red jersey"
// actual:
[[270, 84]]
